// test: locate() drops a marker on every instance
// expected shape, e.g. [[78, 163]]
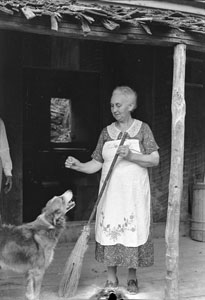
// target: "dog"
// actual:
[[29, 248]]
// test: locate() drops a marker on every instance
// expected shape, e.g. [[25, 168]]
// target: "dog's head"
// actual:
[[60, 204], [56, 208]]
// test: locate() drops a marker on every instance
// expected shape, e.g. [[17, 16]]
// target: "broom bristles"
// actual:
[[71, 275]]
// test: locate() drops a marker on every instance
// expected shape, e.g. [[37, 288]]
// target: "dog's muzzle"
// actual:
[[67, 197]]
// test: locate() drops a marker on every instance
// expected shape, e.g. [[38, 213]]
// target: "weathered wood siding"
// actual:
[[194, 158]]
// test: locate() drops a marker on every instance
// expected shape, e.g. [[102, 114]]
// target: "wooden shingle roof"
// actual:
[[112, 17]]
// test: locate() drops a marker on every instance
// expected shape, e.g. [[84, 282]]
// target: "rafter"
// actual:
[[197, 8]]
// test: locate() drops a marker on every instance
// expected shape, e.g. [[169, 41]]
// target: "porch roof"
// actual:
[[109, 16]]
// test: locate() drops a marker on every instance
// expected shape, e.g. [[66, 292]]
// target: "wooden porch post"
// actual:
[[176, 174]]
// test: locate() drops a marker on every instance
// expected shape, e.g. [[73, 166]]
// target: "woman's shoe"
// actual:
[[132, 286]]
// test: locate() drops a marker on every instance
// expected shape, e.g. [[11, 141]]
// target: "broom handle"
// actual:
[[106, 180]]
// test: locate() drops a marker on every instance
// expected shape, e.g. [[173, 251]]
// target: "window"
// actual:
[[60, 120]]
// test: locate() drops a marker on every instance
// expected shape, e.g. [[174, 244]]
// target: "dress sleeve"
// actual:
[[97, 154], [148, 141]]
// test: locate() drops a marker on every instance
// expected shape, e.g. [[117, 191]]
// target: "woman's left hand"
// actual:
[[124, 151]]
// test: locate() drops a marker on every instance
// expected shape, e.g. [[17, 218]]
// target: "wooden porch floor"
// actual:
[[93, 276]]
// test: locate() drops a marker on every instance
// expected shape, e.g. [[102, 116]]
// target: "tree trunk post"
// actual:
[[176, 174]]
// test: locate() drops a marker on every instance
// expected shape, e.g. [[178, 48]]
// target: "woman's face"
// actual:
[[121, 107]]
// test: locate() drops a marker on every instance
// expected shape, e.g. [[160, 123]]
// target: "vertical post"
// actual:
[[176, 174]]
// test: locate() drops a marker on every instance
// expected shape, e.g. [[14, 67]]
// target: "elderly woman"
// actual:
[[123, 215]]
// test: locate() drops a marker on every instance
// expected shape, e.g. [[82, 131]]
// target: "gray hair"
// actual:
[[128, 92]]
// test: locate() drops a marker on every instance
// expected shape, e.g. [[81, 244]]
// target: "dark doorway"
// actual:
[[44, 174]]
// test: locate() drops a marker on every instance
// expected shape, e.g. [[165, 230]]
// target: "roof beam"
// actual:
[[134, 35], [191, 7]]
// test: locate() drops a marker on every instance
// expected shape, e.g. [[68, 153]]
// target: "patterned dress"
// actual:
[[123, 235]]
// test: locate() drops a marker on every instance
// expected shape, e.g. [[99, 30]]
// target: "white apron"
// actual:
[[123, 214]]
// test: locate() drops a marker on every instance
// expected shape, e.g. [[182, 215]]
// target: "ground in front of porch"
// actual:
[[93, 276]]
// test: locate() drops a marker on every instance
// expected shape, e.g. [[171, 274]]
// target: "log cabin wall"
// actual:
[[194, 158], [162, 127], [194, 168], [147, 69]]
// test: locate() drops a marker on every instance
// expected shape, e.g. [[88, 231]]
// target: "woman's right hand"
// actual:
[[72, 163]]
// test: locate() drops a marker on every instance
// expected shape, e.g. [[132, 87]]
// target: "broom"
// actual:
[[69, 282]]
